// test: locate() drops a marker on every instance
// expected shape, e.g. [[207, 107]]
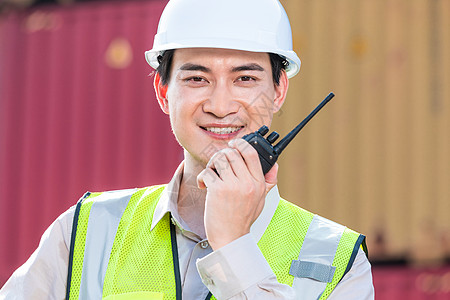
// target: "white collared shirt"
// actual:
[[235, 271]]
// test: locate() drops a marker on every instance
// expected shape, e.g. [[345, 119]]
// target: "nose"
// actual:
[[220, 101]]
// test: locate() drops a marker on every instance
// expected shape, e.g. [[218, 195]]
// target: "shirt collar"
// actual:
[[168, 201], [169, 197]]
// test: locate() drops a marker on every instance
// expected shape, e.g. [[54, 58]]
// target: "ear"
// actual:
[[161, 93], [280, 91]]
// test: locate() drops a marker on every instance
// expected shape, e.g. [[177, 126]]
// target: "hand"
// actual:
[[235, 194]]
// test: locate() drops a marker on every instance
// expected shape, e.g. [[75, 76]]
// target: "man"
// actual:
[[219, 229]]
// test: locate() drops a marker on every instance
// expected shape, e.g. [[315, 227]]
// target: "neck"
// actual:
[[191, 199]]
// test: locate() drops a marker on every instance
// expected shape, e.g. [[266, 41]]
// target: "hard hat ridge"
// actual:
[[249, 25]]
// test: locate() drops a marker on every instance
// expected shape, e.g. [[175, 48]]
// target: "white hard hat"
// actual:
[[249, 25]]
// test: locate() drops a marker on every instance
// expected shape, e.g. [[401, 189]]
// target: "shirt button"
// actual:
[[204, 244]]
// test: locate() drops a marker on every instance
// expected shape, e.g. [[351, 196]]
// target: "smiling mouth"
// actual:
[[222, 130]]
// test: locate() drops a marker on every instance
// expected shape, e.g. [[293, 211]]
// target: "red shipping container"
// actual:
[[393, 283], [77, 113]]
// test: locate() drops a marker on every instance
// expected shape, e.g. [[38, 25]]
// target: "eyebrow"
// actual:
[[194, 67], [249, 67]]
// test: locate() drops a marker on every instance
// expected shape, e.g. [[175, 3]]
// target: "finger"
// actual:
[[206, 178], [220, 163], [236, 162], [200, 181], [250, 156], [271, 177]]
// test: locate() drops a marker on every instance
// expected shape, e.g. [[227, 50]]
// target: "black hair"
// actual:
[[277, 62], [165, 64]]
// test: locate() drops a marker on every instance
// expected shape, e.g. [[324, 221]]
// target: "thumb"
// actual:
[[206, 178]]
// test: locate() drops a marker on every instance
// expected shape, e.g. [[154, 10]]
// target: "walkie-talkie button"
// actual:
[[273, 137], [263, 130]]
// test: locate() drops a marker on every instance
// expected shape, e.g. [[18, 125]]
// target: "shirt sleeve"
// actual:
[[357, 283], [44, 274], [234, 273]]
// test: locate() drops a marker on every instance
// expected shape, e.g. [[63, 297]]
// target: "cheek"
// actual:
[[181, 110], [262, 105], [261, 94], [175, 102], [184, 98]]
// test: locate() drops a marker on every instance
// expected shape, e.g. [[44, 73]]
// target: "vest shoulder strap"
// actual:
[[313, 269], [325, 250], [327, 254]]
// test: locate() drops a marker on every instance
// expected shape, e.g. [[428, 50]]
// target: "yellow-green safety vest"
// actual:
[[115, 256]]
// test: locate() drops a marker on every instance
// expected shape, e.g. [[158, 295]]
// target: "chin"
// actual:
[[202, 156]]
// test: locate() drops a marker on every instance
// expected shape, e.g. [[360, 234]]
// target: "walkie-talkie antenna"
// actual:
[[278, 148]]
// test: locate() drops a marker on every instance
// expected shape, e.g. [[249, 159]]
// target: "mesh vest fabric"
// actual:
[[141, 260], [288, 228], [283, 239]]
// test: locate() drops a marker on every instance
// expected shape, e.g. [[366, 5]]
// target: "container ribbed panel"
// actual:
[[77, 113]]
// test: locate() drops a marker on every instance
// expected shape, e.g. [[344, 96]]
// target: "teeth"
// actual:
[[222, 130]]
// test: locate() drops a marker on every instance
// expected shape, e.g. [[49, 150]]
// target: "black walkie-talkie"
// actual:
[[269, 154]]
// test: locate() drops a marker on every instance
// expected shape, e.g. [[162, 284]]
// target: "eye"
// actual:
[[246, 81], [195, 79], [246, 78]]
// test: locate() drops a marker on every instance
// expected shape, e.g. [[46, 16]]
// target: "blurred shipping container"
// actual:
[[393, 283], [77, 113], [378, 157]]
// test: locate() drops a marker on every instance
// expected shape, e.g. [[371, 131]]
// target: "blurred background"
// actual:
[[78, 113]]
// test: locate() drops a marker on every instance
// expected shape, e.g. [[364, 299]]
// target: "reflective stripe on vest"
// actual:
[[310, 274], [104, 218], [316, 258]]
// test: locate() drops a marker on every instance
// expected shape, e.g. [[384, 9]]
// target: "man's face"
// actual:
[[216, 95]]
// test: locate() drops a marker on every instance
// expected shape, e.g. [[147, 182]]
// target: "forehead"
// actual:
[[221, 57]]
